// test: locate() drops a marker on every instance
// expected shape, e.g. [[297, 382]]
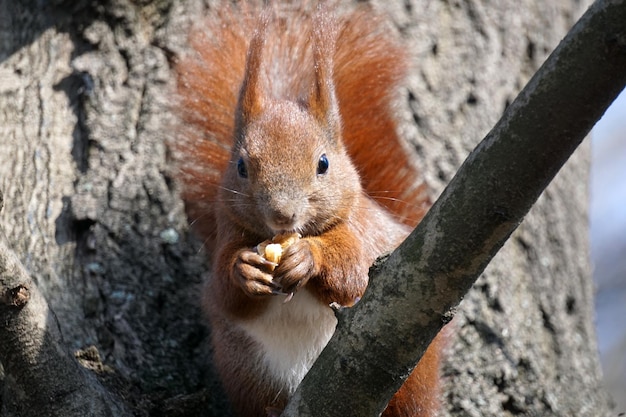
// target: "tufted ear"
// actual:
[[323, 103], [251, 95]]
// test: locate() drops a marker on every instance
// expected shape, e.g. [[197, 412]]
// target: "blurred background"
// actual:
[[608, 244]]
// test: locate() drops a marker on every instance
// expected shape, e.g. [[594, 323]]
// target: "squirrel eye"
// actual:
[[241, 168], [322, 165]]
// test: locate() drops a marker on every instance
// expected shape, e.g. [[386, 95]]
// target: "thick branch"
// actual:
[[414, 293], [42, 377]]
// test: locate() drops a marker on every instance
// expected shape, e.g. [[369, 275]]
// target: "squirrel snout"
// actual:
[[281, 220]]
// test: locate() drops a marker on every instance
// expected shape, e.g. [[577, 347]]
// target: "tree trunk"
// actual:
[[92, 212]]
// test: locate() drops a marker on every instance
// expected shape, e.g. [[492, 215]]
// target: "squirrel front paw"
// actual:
[[297, 266], [251, 273]]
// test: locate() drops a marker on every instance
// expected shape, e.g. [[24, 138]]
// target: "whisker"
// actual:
[[410, 213], [197, 219], [232, 191], [377, 198]]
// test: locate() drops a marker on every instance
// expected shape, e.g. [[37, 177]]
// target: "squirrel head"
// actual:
[[289, 170]]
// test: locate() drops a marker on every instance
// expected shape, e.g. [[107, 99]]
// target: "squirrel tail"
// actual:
[[369, 66], [208, 82]]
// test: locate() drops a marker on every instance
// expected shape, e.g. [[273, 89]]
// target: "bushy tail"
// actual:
[[369, 67], [208, 82]]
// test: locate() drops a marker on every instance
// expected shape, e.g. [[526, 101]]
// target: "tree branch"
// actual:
[[42, 377], [413, 294]]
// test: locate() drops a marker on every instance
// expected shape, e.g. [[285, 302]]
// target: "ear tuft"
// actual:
[[323, 103], [251, 95]]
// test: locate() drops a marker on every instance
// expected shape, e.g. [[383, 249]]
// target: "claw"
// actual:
[[270, 264]]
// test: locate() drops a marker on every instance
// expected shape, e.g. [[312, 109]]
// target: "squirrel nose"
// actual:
[[281, 212], [283, 218]]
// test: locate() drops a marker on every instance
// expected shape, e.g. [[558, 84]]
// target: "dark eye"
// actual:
[[322, 165], [241, 168]]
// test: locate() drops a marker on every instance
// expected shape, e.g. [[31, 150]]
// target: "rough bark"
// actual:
[[92, 213], [36, 356], [91, 210]]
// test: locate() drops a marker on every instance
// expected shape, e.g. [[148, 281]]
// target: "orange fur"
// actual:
[[270, 103]]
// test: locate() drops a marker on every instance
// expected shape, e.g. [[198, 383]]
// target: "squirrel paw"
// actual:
[[296, 267], [251, 274]]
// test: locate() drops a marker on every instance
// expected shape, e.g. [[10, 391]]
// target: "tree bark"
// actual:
[[92, 212], [36, 356]]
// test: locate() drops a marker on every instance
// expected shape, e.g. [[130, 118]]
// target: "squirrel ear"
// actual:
[[251, 94], [323, 103]]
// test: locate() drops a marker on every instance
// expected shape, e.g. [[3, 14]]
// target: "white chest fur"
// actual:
[[291, 335]]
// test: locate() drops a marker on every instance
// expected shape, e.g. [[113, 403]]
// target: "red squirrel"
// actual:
[[288, 127]]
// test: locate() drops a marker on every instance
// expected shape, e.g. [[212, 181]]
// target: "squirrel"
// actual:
[[288, 127]]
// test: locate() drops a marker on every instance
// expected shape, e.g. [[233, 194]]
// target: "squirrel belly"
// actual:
[[262, 360], [288, 128], [291, 336]]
